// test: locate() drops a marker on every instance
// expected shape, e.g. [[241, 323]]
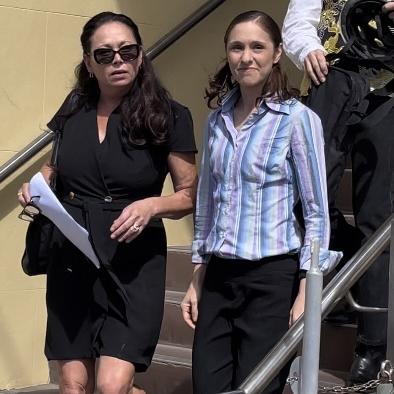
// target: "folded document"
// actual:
[[51, 207]]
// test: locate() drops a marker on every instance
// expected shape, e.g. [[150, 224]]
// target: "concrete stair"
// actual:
[[50, 388], [170, 372]]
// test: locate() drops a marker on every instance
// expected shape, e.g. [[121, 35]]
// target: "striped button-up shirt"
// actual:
[[251, 179]]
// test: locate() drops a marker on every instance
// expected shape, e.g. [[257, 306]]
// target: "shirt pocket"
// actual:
[[265, 162], [221, 156]]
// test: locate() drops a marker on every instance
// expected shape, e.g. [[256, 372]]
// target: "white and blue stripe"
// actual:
[[251, 179]]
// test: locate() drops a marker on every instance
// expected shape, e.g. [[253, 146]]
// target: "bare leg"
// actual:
[[137, 390], [76, 376], [114, 376]]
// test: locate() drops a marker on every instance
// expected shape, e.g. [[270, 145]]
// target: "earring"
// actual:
[[91, 75]]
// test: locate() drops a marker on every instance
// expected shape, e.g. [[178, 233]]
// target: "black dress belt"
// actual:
[[99, 214], [105, 202]]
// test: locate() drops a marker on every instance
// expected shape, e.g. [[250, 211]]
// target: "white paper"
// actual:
[[50, 207]]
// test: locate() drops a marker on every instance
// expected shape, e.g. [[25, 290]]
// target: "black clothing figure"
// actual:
[[357, 116]]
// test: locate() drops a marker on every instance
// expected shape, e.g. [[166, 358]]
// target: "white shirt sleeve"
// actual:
[[300, 30]]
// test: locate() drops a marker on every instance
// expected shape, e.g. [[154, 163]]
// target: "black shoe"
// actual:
[[366, 363]]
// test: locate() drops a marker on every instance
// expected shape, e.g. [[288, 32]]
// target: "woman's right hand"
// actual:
[[189, 304], [24, 194]]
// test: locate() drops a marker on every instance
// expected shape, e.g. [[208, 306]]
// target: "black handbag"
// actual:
[[39, 235]]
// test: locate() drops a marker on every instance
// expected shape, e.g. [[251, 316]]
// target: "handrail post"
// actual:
[[390, 312], [312, 318], [268, 368]]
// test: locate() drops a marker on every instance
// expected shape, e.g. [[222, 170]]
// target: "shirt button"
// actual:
[[108, 199]]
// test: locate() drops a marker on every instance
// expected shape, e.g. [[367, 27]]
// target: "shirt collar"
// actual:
[[232, 97]]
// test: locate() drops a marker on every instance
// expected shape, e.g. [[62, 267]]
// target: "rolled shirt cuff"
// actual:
[[198, 258], [305, 52], [328, 259]]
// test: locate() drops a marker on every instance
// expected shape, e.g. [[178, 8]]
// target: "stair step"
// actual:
[[179, 268], [174, 329], [41, 389], [170, 372], [172, 379], [337, 346], [167, 353], [326, 379], [331, 378]]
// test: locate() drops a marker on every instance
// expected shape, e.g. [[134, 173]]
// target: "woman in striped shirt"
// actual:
[[263, 152]]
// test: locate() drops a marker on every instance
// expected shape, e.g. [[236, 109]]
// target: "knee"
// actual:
[[67, 387], [113, 386]]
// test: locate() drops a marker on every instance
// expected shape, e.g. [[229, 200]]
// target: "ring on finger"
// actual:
[[135, 227]]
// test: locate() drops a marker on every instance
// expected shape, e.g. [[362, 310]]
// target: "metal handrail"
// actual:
[[155, 50], [270, 366], [185, 26], [25, 154], [360, 308]]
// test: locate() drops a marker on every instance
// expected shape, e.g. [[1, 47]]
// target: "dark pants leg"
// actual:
[[373, 183], [243, 313], [373, 172], [348, 88]]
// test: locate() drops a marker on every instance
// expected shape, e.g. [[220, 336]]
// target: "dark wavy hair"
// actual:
[[277, 84], [146, 108]]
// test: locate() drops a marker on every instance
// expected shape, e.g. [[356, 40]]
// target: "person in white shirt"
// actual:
[[301, 41], [347, 90]]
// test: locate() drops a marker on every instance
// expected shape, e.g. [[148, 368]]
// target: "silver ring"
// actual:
[[135, 228]]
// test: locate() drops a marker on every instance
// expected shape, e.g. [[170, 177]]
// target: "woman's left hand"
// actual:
[[299, 304], [132, 220]]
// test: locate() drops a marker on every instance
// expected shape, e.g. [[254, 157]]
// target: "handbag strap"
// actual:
[[54, 157]]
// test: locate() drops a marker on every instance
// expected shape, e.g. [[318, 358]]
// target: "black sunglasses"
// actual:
[[107, 55], [30, 210]]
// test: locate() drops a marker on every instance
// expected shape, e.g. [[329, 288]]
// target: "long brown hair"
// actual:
[[146, 109], [277, 84]]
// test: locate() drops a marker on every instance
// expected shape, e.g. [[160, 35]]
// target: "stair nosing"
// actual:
[[180, 249], [174, 297], [161, 358]]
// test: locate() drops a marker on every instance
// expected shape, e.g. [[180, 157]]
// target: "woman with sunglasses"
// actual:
[[121, 135], [263, 150]]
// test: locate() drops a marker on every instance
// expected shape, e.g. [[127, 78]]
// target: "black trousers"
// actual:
[[344, 105], [243, 312]]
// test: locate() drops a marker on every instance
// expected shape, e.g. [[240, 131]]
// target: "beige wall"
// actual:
[[39, 51]]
